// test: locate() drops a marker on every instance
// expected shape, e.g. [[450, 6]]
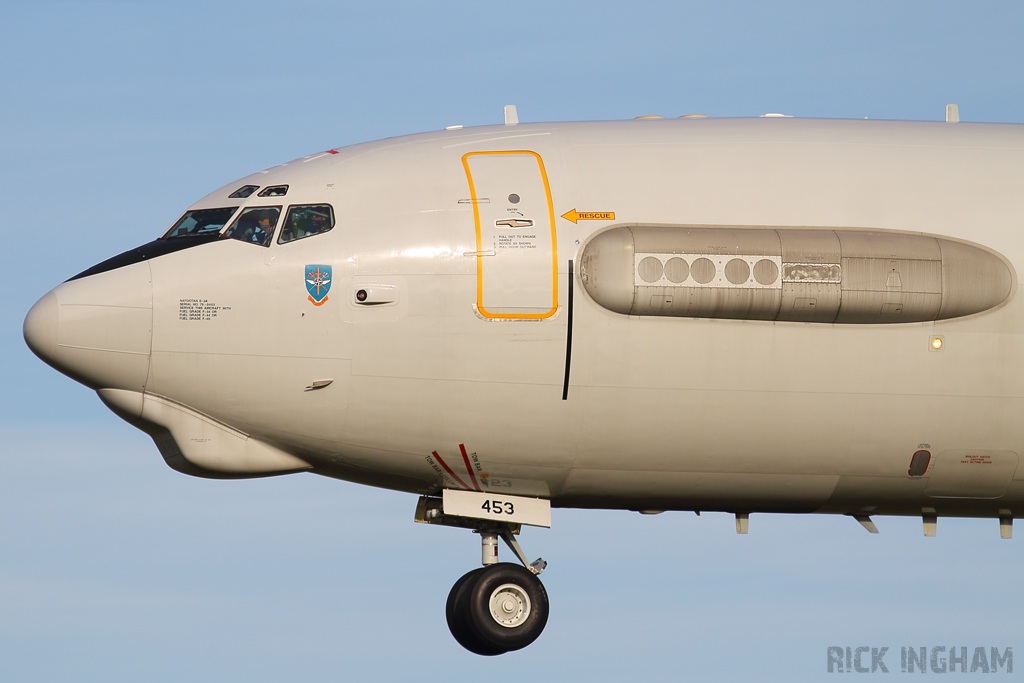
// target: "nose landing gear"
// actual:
[[501, 606]]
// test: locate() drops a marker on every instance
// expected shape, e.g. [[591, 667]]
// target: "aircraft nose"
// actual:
[[97, 329], [40, 328]]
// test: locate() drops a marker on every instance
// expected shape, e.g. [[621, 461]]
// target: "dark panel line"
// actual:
[[568, 339]]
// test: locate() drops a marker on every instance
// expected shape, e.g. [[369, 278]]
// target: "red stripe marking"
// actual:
[[465, 459], [332, 151], [449, 471]]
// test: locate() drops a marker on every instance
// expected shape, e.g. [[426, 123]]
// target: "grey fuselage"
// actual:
[[691, 395]]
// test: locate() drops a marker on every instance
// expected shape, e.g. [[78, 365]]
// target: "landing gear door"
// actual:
[[517, 267]]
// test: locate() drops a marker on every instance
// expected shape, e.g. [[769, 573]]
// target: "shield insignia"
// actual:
[[318, 283]]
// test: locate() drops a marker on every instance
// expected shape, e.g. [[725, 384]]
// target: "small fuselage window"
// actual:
[[203, 222], [243, 192], [305, 221], [255, 225], [274, 191]]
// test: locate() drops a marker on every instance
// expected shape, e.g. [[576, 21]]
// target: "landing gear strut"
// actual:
[[501, 606]]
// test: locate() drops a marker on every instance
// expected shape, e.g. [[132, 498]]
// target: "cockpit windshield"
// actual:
[[255, 225], [305, 221], [201, 222]]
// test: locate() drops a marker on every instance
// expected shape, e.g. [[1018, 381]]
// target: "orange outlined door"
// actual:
[[516, 263]]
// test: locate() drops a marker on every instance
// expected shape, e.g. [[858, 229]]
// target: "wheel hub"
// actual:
[[509, 605]]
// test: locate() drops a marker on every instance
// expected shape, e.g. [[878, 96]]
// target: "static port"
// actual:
[[361, 295]]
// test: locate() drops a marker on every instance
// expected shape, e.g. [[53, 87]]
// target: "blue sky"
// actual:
[[116, 116]]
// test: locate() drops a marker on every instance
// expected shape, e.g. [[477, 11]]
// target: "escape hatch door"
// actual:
[[516, 261]]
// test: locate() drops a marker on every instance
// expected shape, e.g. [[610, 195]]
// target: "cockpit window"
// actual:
[[243, 192], [305, 221], [255, 225], [201, 222], [274, 191]]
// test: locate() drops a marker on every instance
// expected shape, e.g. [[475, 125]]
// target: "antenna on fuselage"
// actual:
[[511, 117]]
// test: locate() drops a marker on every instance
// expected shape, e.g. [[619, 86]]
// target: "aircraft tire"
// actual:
[[456, 612], [507, 606]]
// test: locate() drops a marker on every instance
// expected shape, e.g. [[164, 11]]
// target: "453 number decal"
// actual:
[[498, 507]]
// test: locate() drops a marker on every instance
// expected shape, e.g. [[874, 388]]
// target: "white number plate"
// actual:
[[499, 507]]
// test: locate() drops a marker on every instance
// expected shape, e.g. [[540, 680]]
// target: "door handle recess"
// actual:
[[514, 223]]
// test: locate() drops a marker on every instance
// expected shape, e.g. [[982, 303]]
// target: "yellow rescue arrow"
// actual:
[[575, 215]]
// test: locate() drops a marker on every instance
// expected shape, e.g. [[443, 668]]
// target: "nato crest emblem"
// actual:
[[318, 283]]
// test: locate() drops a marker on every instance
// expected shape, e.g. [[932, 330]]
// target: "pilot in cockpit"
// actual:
[[261, 229], [255, 226]]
